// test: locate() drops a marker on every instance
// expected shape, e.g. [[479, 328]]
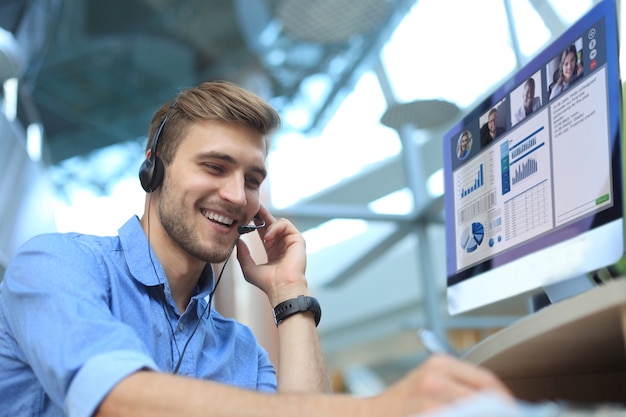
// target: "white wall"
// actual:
[[27, 201]]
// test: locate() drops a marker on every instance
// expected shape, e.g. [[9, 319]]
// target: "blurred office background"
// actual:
[[366, 89]]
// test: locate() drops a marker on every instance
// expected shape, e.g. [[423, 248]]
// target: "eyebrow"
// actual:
[[229, 159]]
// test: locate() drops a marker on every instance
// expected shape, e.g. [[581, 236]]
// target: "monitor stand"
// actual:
[[553, 293]]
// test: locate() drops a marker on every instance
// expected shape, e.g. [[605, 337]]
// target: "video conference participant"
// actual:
[[531, 103], [490, 130], [569, 71], [123, 325], [464, 145]]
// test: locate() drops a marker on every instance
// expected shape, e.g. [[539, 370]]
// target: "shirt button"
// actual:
[[181, 327]]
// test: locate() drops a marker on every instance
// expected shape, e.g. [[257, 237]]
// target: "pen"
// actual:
[[435, 344]]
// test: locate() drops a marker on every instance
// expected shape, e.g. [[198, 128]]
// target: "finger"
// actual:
[[276, 230], [265, 214], [480, 378], [470, 375], [267, 217], [243, 255]]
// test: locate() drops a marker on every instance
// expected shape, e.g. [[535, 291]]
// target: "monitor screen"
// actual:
[[533, 175]]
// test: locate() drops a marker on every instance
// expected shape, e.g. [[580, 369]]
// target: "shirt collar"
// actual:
[[143, 263]]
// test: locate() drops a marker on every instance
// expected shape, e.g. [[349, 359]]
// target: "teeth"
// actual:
[[218, 218]]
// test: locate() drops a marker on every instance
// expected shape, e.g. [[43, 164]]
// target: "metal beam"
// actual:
[[368, 257]]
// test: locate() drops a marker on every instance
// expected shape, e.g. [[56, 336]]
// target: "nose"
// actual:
[[233, 189]]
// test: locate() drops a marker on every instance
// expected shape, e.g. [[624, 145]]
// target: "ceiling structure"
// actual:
[[94, 71], [97, 70]]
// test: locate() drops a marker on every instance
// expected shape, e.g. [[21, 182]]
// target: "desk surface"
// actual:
[[581, 335]]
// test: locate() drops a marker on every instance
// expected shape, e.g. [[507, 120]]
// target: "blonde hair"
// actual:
[[219, 101]]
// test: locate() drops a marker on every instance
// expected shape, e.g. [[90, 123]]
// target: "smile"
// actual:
[[218, 218]]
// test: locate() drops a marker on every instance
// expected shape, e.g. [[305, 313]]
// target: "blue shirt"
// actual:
[[78, 313]]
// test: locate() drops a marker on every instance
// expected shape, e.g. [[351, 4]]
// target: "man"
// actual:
[[490, 130], [465, 145], [530, 103], [123, 326]]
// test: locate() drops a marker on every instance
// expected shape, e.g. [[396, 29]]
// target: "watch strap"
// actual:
[[301, 304]]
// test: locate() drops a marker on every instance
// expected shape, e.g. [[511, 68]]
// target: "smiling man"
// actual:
[[124, 325]]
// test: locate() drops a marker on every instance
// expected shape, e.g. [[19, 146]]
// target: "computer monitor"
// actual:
[[533, 175]]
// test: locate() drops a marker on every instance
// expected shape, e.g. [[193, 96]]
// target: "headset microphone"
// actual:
[[251, 227]]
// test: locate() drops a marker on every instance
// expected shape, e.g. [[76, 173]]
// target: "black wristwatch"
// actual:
[[297, 305]]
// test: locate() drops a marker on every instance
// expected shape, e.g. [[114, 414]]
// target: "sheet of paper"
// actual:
[[493, 405]]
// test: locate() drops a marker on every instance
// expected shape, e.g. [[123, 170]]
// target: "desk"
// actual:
[[574, 350]]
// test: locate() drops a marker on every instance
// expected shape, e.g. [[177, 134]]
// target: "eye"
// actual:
[[254, 182], [214, 168]]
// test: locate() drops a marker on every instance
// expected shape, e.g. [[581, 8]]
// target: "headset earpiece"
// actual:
[[151, 173], [152, 168]]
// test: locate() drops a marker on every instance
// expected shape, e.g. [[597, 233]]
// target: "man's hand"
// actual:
[[283, 275], [438, 382], [301, 365]]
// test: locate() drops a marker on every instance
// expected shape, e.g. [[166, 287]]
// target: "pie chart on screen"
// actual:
[[472, 237]]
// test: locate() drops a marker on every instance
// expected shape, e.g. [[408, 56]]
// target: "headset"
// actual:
[[152, 169], [243, 229]]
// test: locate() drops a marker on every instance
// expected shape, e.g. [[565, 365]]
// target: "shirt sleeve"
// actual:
[[98, 376], [267, 374], [57, 293]]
